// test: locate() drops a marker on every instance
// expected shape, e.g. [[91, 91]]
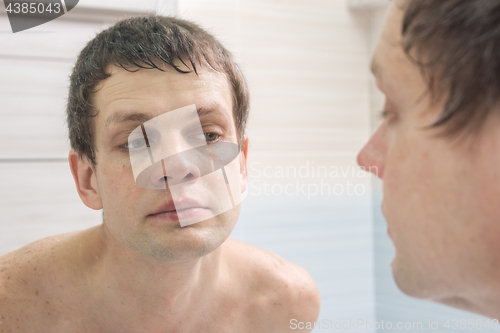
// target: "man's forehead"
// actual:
[[390, 42], [140, 81], [390, 64], [147, 93]]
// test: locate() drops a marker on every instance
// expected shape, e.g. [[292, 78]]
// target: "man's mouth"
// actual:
[[181, 214], [181, 210]]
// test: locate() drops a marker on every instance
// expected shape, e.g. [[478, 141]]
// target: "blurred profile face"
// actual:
[[180, 111], [440, 196]]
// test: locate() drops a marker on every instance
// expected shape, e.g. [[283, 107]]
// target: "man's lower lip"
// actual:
[[177, 215]]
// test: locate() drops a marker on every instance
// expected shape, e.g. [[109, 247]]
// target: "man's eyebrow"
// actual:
[[139, 117], [202, 111], [136, 117]]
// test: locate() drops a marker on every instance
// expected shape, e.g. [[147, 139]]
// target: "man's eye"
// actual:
[[211, 137], [135, 144], [384, 114], [389, 116], [207, 136]]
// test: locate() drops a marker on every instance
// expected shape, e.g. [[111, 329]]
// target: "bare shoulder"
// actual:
[[27, 279], [280, 290]]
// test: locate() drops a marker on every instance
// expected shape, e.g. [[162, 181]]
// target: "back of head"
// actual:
[[140, 43]]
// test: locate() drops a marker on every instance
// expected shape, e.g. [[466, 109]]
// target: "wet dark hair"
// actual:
[[456, 44], [141, 43]]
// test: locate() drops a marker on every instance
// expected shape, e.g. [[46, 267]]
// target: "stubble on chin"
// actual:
[[181, 243]]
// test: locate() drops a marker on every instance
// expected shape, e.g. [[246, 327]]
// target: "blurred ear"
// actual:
[[85, 180], [243, 164]]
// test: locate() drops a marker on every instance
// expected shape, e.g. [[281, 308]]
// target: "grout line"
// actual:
[[36, 58], [32, 160]]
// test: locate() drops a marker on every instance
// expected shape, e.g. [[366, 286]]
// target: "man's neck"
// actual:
[[486, 305], [130, 289]]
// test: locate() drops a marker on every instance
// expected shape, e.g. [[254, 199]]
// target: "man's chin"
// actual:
[[408, 280], [177, 249], [181, 243]]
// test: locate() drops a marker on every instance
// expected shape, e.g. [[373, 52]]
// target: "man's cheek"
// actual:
[[120, 183]]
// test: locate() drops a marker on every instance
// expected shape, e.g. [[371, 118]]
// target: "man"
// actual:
[[150, 267], [438, 149]]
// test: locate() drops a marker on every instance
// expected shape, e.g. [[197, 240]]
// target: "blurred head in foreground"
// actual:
[[438, 149]]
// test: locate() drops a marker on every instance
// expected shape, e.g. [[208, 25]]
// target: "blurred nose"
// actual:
[[176, 167], [372, 157]]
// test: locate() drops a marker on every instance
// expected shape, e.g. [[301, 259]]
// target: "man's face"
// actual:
[[440, 197], [126, 100]]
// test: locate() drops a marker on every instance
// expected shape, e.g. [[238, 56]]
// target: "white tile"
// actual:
[[32, 107], [39, 200]]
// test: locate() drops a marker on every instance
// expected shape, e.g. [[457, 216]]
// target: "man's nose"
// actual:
[[372, 157], [175, 167]]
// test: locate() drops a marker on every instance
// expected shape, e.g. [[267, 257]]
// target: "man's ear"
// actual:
[[85, 180], [243, 165]]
